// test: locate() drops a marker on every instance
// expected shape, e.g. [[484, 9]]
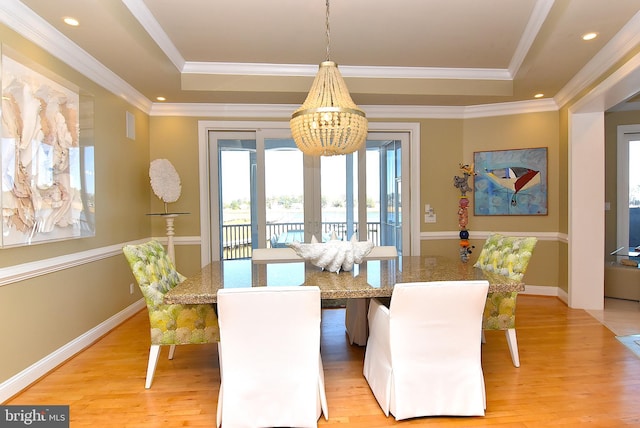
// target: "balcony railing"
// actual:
[[236, 238]]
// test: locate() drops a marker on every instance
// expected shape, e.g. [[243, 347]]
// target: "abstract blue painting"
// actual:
[[511, 182]]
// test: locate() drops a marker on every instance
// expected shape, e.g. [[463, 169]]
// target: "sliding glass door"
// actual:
[[234, 199], [265, 193], [390, 189]]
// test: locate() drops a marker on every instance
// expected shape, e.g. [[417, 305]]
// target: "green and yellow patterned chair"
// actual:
[[508, 256], [170, 324]]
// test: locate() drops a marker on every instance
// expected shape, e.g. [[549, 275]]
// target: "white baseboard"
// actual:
[[22, 380], [563, 296], [541, 290]]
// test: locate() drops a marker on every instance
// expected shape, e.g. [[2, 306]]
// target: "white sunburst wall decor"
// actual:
[[165, 181]]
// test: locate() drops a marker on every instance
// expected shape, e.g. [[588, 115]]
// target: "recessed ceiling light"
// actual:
[[589, 36], [538, 95], [161, 99], [71, 21]]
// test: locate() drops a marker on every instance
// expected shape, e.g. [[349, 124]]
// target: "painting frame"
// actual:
[[511, 182], [47, 163]]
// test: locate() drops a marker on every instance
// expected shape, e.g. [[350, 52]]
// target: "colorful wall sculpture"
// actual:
[[462, 184]]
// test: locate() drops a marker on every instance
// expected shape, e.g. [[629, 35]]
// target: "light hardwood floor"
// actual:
[[573, 373]]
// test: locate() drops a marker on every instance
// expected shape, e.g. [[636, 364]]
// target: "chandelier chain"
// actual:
[[328, 33]]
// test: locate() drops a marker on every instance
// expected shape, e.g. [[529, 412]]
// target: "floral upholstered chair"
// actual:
[[508, 256], [170, 324]]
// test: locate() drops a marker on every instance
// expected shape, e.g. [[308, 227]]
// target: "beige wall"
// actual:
[[520, 132], [40, 315], [446, 143], [517, 132], [176, 139], [441, 150]]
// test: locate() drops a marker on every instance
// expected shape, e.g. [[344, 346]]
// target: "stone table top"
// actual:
[[371, 278]]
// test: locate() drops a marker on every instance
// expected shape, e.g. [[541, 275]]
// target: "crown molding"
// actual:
[[142, 13], [15, 15], [505, 109], [538, 16], [619, 46], [276, 111], [284, 111], [372, 72], [621, 85]]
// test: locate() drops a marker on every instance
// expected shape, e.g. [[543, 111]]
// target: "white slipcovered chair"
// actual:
[[423, 355], [270, 365], [355, 318]]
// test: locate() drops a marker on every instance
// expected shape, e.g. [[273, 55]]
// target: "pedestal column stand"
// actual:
[[170, 232], [169, 219]]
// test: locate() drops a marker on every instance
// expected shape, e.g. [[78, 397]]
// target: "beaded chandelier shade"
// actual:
[[328, 122]]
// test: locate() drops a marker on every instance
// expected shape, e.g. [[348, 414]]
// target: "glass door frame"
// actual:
[[399, 187], [626, 134], [208, 179]]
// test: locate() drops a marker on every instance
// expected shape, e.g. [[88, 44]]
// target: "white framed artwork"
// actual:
[[47, 174]]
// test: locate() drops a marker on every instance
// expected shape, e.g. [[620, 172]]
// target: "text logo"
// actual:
[[34, 416]]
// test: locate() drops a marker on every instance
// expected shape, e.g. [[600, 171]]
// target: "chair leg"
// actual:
[[513, 346], [356, 322], [219, 409], [172, 350], [154, 353]]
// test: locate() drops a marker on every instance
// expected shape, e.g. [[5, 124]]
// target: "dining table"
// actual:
[[371, 278]]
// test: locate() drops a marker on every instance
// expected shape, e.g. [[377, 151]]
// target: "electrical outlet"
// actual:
[[131, 288]]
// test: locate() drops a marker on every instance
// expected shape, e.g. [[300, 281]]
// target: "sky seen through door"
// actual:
[[236, 186]]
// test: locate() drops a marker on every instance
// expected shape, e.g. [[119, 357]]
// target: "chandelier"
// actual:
[[328, 123]]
